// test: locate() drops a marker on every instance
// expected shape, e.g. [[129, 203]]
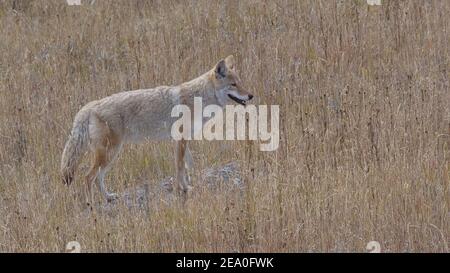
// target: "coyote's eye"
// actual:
[[233, 84]]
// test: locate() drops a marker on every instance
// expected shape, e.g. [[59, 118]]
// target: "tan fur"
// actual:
[[104, 125]]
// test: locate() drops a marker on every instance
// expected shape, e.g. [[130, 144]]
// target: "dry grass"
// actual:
[[364, 98]]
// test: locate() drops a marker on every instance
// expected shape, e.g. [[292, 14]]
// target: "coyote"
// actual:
[[104, 125]]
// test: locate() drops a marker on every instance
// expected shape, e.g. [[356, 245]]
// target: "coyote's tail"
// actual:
[[75, 146]]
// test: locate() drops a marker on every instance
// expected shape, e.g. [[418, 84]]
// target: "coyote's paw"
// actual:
[[187, 189]]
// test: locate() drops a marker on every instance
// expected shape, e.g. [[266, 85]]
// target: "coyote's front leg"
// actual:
[[180, 164]]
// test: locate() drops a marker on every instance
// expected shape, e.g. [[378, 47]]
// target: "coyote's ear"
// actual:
[[229, 61], [221, 69]]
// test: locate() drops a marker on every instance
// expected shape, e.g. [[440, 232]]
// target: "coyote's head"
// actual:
[[228, 86]]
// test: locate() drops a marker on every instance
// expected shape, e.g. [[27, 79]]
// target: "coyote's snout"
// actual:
[[103, 126]]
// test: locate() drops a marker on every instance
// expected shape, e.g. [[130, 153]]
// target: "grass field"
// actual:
[[364, 97]]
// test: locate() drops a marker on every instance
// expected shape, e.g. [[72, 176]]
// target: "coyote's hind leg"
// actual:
[[106, 146], [103, 159]]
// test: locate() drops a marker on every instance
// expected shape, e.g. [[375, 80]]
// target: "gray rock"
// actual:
[[143, 196]]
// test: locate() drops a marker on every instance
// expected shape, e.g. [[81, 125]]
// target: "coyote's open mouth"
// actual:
[[241, 102]]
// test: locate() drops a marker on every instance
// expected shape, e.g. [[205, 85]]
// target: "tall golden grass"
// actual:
[[365, 123]]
